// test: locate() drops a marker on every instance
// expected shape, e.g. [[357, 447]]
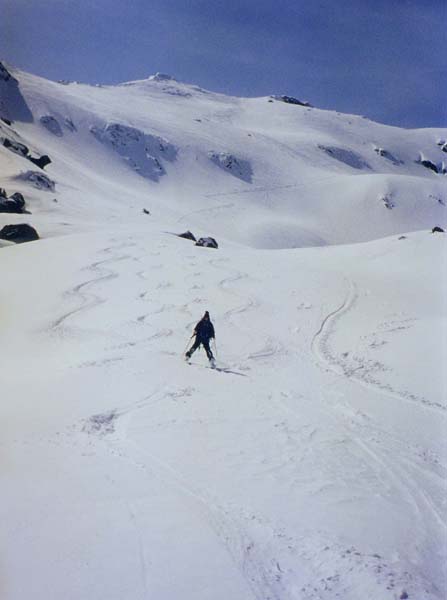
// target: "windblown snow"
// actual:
[[312, 464]]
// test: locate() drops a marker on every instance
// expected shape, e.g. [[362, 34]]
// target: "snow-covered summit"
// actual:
[[161, 77]]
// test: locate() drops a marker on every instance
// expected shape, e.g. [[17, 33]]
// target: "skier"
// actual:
[[204, 332]]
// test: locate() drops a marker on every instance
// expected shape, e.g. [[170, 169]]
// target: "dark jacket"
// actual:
[[204, 330]]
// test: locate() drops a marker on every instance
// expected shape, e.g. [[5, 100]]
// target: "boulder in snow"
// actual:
[[20, 233], [207, 242], [238, 167], [187, 235], [16, 147], [437, 230], [42, 161], [13, 204], [427, 163]]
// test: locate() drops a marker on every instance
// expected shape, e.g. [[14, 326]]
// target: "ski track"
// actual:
[[89, 300], [320, 348]]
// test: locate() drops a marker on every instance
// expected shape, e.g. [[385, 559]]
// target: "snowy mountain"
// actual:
[[312, 464]]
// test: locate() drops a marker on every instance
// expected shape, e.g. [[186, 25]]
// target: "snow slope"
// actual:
[[314, 466]]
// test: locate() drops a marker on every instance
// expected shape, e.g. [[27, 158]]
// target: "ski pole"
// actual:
[[187, 344], [215, 346]]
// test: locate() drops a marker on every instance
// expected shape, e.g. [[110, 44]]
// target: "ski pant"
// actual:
[[205, 344]]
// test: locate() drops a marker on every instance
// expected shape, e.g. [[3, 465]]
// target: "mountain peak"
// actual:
[[161, 77]]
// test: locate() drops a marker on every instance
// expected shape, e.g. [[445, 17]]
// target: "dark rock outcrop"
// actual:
[[14, 204], [42, 161], [13, 106], [207, 242], [5, 75], [437, 230], [291, 100], [428, 164], [23, 150], [20, 233], [16, 147], [187, 235]]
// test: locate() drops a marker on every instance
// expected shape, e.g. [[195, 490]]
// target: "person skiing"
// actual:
[[204, 332]]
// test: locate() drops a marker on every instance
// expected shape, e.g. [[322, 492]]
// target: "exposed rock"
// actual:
[[349, 157], [52, 125], [20, 233], [143, 152], [290, 100], [5, 75], [38, 180], [13, 106], [429, 165], [41, 162], [23, 150], [187, 235], [207, 242], [388, 156], [238, 167], [146, 212], [3, 193], [388, 202], [14, 204], [16, 147], [437, 230], [7, 121]]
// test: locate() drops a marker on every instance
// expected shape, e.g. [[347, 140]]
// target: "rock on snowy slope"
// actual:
[[52, 124], [187, 235], [13, 204], [207, 242], [290, 100], [19, 233], [235, 166], [22, 150], [143, 152], [12, 103], [348, 157], [37, 180]]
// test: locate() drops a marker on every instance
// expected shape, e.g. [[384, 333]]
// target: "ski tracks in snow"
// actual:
[[320, 346]]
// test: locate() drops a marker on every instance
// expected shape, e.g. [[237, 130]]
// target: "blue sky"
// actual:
[[385, 59]]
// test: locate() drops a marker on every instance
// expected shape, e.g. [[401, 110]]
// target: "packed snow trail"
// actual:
[[295, 481]]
